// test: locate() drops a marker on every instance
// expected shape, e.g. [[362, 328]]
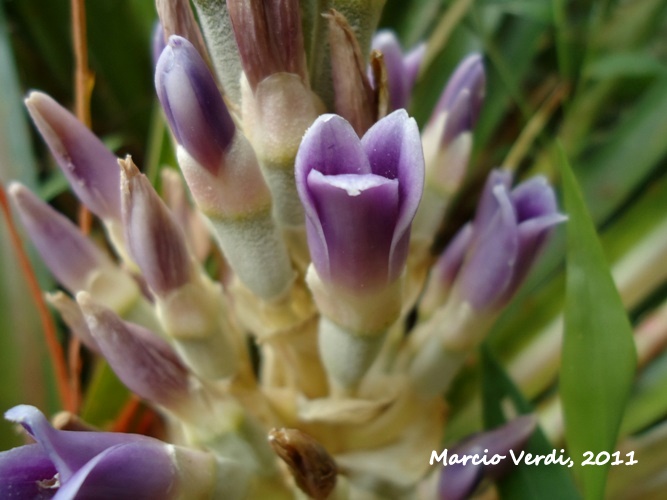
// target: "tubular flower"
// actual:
[[510, 229], [360, 197]]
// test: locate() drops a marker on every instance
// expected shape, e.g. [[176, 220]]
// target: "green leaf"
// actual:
[[544, 482], [599, 359]]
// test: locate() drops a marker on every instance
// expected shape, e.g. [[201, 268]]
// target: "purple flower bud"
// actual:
[[468, 79], [144, 362], [85, 464], [360, 198], [510, 229], [459, 481], [157, 244], [196, 113], [69, 255], [402, 70], [89, 166]]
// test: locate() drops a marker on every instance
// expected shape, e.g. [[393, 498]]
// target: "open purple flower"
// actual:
[[69, 464], [360, 197], [509, 230]]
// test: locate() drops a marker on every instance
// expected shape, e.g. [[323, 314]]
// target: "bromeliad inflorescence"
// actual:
[[308, 173]]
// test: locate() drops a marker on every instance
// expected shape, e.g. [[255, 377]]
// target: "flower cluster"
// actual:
[[324, 198]]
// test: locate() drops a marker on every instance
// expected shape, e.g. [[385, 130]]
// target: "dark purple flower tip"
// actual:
[[360, 198], [144, 362], [88, 165], [402, 70], [196, 113], [110, 465], [27, 472], [510, 229], [469, 76], [459, 480], [155, 241], [68, 254]]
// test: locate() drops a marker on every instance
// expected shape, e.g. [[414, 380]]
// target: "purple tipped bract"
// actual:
[[69, 255], [510, 229], [196, 113], [360, 197], [143, 361], [88, 165], [156, 242]]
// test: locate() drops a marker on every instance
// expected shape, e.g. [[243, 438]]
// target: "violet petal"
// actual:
[[533, 198], [357, 214], [488, 203], [27, 472], [332, 147], [490, 266], [67, 450], [394, 150], [138, 470]]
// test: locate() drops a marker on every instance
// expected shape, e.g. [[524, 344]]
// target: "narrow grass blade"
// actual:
[[599, 359]]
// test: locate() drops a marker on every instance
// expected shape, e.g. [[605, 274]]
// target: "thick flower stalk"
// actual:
[[360, 197]]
